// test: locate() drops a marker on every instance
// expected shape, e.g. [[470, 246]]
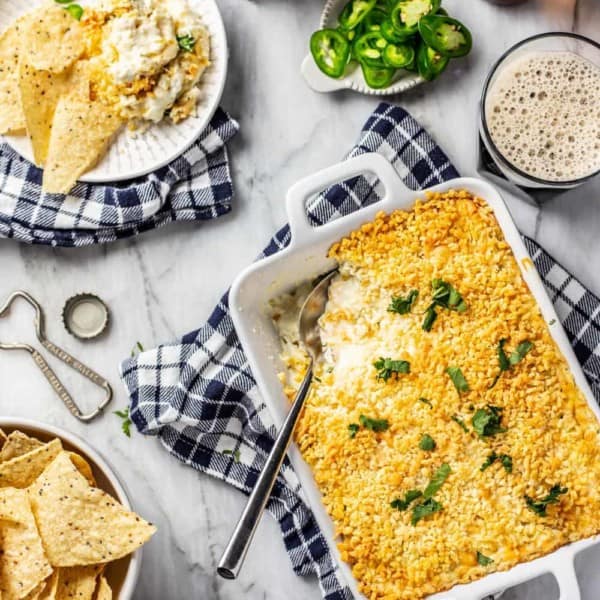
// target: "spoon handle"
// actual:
[[235, 553]]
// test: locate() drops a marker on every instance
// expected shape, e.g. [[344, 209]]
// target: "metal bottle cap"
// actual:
[[85, 316]]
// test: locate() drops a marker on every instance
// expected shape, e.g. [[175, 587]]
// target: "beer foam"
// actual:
[[543, 114]]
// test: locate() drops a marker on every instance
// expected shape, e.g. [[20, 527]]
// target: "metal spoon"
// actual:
[[235, 553]]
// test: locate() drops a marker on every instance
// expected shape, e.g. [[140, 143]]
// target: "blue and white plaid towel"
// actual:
[[196, 185], [198, 394]]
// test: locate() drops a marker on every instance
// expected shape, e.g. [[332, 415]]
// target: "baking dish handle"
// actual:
[[304, 189], [564, 571]]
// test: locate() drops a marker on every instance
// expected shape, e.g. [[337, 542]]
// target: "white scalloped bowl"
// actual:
[[352, 80], [123, 574], [131, 156]]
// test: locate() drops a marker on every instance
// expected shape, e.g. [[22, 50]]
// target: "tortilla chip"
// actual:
[[86, 127], [83, 467], [17, 444], [50, 587], [40, 91], [79, 524], [53, 40], [34, 594], [12, 119], [23, 564], [3, 438], [22, 471], [103, 591], [77, 582]]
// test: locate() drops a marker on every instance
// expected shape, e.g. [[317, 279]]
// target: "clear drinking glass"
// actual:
[[547, 42]]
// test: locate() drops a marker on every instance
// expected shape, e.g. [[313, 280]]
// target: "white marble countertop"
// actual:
[[164, 283]]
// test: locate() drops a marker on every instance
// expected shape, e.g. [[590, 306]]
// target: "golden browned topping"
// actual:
[[515, 468]]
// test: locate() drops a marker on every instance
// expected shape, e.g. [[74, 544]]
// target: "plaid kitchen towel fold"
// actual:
[[196, 185], [199, 396]]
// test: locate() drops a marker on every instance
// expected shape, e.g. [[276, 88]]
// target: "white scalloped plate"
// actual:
[[353, 80], [132, 156]]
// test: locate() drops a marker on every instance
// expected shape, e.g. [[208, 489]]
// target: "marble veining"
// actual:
[[164, 283]]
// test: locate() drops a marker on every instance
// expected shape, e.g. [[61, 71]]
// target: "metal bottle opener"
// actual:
[[60, 354]]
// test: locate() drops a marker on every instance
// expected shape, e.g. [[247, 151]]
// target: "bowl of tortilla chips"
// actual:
[[66, 525]]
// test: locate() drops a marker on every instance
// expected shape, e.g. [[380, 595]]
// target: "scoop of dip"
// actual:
[[150, 58]]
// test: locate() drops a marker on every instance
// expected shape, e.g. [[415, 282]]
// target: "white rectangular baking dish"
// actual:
[[305, 258]]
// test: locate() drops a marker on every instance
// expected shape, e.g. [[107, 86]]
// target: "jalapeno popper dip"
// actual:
[[444, 428], [75, 74]]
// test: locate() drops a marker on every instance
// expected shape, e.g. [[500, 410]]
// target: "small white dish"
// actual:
[[122, 575], [353, 79], [131, 156]]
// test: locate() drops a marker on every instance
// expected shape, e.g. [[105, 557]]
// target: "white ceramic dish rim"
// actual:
[[217, 30], [320, 82], [304, 258], [135, 563]]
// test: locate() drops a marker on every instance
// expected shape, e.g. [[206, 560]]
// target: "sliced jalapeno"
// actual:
[[369, 48], [405, 14], [430, 63], [446, 35], [377, 77], [389, 32], [398, 56], [351, 34], [374, 19], [331, 51], [354, 12], [413, 65]]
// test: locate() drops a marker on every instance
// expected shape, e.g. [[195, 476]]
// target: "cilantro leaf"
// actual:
[[409, 498], [126, 421], [137, 348], [460, 422], [445, 295], [486, 421], [502, 358], [456, 302], [186, 42], [375, 425], [505, 362], [484, 560], [386, 366], [489, 461], [458, 379], [425, 401], [402, 305], [353, 429], [427, 443], [539, 506], [430, 317], [75, 10], [234, 453], [519, 354], [424, 509], [505, 461], [440, 475]]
